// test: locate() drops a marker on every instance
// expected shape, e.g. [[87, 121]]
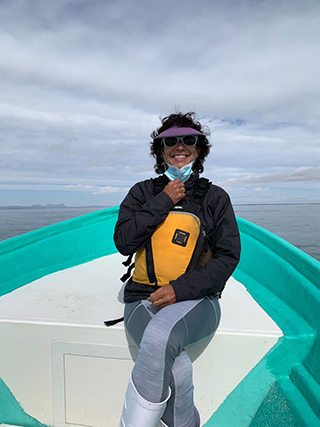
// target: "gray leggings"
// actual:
[[162, 336]]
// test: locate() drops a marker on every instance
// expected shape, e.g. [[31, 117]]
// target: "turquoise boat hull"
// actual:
[[283, 389]]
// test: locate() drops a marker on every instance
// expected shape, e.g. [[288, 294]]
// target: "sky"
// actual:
[[83, 84]]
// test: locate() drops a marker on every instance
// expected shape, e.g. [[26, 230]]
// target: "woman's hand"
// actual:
[[175, 190], [163, 296]]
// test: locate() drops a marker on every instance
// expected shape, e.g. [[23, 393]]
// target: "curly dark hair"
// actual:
[[180, 120]]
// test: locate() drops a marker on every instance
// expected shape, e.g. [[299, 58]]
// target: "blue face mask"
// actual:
[[175, 173]]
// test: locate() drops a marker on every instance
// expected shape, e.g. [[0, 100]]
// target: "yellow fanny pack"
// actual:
[[174, 247], [177, 245]]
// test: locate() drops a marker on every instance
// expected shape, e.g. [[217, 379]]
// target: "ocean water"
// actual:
[[298, 224], [14, 222]]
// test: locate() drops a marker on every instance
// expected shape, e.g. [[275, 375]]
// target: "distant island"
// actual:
[[52, 206]]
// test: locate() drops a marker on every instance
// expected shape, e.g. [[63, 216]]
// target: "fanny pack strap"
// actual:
[[200, 191], [159, 184]]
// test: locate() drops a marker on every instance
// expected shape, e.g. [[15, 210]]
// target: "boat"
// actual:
[[61, 366]]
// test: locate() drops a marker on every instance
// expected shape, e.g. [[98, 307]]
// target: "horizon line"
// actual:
[[63, 206]]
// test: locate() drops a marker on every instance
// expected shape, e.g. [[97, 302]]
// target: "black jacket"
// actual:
[[141, 212]]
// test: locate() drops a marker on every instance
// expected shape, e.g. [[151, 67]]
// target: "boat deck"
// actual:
[[75, 370]]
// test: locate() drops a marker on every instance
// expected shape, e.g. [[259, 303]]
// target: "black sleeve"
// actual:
[[225, 245], [140, 213]]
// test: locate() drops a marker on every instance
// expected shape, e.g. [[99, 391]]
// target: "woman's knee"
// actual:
[[170, 341]]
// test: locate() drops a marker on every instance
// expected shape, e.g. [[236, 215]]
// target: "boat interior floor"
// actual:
[[65, 367]]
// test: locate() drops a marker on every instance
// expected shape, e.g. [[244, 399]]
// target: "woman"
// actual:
[[165, 318]]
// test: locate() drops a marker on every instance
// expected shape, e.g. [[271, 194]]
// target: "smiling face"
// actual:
[[180, 155]]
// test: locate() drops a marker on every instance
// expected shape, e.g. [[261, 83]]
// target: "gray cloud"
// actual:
[[83, 84], [302, 174]]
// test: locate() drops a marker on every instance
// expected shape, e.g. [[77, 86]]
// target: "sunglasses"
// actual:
[[187, 141]]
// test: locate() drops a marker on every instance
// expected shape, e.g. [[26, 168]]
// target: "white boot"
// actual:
[[138, 412]]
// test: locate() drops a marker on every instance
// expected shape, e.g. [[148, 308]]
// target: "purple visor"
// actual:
[[178, 131]]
